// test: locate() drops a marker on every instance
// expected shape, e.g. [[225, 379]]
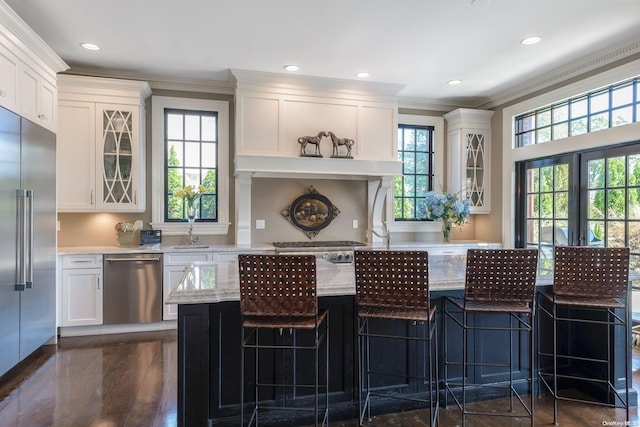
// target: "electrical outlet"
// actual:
[[139, 224], [260, 224], [355, 223]]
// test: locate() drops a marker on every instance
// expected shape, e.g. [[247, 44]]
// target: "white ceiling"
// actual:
[[417, 44]]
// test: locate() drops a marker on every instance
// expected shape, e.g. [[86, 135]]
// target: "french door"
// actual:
[[587, 199]]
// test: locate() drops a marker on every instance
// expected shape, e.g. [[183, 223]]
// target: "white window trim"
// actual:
[[438, 164], [602, 138], [158, 105]]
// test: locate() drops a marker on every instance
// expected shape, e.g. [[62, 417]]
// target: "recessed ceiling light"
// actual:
[[291, 67], [454, 82], [531, 40], [362, 75], [90, 46]]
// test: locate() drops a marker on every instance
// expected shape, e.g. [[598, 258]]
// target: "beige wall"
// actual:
[[270, 196]]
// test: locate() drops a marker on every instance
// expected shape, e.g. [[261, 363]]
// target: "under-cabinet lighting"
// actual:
[[454, 82], [362, 75], [291, 67]]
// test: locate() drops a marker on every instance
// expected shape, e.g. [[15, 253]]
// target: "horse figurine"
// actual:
[[314, 140], [337, 142]]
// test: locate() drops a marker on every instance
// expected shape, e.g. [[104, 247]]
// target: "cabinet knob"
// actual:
[[42, 117]]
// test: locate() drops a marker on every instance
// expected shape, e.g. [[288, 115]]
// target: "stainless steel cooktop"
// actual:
[[337, 251]]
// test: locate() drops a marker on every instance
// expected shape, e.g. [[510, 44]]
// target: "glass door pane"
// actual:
[[611, 200], [547, 219], [117, 133]]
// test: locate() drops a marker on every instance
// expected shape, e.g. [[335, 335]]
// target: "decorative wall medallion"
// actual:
[[304, 141], [311, 212]]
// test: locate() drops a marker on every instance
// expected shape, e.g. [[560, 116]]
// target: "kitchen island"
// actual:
[[209, 344]]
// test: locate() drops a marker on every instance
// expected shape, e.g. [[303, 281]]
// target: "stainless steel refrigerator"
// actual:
[[27, 238]]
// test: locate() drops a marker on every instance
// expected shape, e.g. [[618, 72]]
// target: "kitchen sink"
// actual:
[[189, 247]]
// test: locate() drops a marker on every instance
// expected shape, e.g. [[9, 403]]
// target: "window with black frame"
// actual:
[[604, 108], [416, 152], [191, 164]]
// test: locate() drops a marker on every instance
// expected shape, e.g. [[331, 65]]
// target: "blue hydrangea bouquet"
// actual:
[[448, 207]]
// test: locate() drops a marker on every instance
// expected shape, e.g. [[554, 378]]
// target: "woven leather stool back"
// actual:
[[392, 279], [501, 275], [591, 272], [278, 285]]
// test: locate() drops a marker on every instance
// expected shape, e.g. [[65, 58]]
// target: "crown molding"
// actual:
[[72, 86], [444, 105], [25, 40], [161, 82], [606, 56]]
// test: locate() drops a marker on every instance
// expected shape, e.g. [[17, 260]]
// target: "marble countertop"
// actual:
[[84, 250], [435, 247], [208, 282]]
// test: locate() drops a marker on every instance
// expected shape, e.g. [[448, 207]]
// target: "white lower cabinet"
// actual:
[[82, 289], [175, 264]]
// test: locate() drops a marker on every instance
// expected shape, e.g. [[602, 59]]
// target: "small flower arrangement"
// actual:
[[125, 227], [448, 207], [190, 193]]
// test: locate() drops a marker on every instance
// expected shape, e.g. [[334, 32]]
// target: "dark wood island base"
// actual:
[[209, 363]]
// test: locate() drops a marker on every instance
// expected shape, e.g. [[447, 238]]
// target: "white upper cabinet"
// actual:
[[101, 143], [8, 80], [76, 152], [469, 156], [119, 158], [37, 99], [28, 69]]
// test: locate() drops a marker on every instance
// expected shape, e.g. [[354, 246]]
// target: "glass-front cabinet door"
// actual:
[[475, 171], [469, 157], [118, 157]]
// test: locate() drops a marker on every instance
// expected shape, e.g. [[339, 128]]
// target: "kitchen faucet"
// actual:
[[386, 235]]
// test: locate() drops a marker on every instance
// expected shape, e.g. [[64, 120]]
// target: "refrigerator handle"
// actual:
[[20, 241], [29, 241]]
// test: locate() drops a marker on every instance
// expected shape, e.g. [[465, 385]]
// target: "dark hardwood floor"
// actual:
[[130, 380]]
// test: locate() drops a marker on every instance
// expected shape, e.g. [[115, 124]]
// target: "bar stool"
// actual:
[[394, 285], [589, 285], [498, 282], [278, 293]]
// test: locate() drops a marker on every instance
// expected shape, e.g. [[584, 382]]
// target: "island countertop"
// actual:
[[211, 282]]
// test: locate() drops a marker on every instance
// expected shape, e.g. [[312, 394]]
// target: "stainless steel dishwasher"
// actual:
[[132, 288]]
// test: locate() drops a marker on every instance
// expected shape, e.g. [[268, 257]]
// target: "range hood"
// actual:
[[273, 111], [312, 167]]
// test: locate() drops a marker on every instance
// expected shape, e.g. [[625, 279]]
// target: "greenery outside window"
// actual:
[[415, 151], [433, 170], [190, 146], [191, 160]]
